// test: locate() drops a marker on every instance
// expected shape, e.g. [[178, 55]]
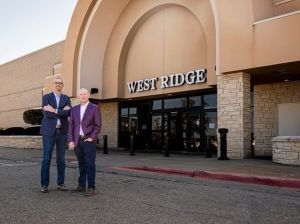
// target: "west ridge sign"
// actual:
[[167, 81]]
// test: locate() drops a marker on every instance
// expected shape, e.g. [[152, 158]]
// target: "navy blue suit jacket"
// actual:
[[50, 119]]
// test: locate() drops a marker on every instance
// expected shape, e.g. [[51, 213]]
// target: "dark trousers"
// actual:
[[60, 142], [86, 155]]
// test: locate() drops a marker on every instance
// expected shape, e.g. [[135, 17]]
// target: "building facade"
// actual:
[[23, 81], [171, 72]]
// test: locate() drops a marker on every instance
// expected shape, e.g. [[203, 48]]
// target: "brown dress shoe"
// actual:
[[78, 189], [62, 187], [44, 189], [90, 192]]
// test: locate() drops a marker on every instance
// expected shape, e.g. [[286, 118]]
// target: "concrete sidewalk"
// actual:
[[256, 171]]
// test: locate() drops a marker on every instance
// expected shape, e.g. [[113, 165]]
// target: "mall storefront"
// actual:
[[171, 72], [184, 123]]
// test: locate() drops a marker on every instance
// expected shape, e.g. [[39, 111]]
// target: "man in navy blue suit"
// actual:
[[56, 110]]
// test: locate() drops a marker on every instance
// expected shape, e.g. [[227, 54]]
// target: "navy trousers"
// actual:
[[86, 155], [48, 144]]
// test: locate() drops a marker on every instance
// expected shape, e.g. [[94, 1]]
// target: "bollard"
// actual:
[[105, 151], [132, 151], [208, 148], [167, 152], [223, 144]]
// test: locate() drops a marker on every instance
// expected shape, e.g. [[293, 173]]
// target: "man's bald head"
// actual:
[[84, 95]]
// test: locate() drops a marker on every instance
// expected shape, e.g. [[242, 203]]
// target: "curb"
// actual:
[[253, 179]]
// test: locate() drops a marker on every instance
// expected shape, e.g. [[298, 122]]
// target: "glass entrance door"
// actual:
[[191, 131], [173, 121]]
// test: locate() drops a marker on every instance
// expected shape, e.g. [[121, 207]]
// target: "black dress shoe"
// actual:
[[78, 189], [90, 192], [62, 187], [44, 189]]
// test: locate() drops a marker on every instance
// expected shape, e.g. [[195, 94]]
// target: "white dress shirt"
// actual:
[[82, 111], [57, 97]]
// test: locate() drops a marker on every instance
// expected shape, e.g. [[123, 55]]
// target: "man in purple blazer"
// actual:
[[84, 128]]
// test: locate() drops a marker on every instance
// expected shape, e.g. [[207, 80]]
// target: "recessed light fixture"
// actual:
[[130, 99], [169, 94], [286, 80]]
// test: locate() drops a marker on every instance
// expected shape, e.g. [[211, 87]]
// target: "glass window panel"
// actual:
[[157, 105], [184, 121], [124, 124], [195, 101], [210, 101], [184, 140], [175, 103], [133, 125], [173, 128], [156, 122], [165, 123], [132, 110], [195, 140], [194, 120], [211, 123], [124, 112], [156, 138]]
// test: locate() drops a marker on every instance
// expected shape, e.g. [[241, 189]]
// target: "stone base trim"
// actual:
[[286, 150], [22, 142]]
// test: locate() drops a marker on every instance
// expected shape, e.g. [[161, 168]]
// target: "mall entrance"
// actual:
[[187, 123]]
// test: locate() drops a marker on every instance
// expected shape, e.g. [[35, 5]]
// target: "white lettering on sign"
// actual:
[[167, 81], [142, 85]]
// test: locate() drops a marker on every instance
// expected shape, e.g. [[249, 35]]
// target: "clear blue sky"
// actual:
[[29, 25]]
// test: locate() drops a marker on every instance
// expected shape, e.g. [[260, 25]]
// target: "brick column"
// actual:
[[110, 118], [234, 113]]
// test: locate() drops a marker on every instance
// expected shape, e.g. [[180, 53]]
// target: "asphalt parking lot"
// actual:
[[139, 197]]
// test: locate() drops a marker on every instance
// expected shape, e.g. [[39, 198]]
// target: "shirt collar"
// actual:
[[57, 95], [85, 105]]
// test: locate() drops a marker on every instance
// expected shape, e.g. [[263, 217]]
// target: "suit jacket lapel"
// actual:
[[61, 101], [53, 99], [86, 111], [77, 114]]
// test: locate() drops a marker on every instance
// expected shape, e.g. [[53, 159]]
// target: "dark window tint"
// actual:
[[175, 103], [210, 101], [132, 110], [156, 122], [195, 101], [157, 105], [124, 112]]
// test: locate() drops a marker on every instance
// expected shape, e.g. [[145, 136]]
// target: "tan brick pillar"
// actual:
[[109, 112], [234, 113]]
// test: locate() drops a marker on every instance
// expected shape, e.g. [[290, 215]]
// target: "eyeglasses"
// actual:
[[58, 83]]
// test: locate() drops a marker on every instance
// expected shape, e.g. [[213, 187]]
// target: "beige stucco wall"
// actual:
[[235, 38], [268, 8], [166, 45], [70, 52], [23, 82], [246, 42], [102, 47], [286, 7], [280, 47], [266, 100]]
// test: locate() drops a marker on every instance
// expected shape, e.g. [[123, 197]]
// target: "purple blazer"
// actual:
[[91, 123]]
